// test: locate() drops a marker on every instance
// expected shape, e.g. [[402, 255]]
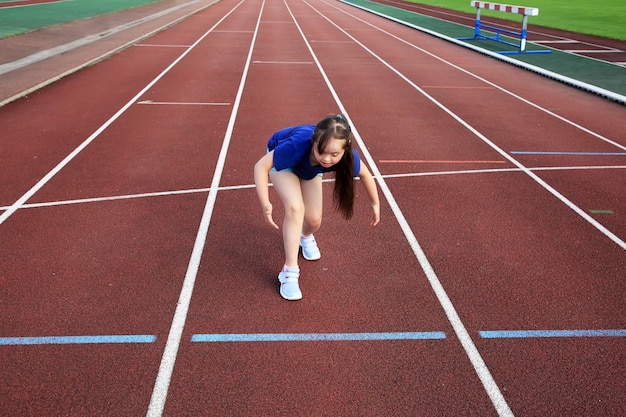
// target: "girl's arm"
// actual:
[[261, 173], [372, 192]]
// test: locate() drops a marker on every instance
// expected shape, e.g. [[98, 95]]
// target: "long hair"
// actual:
[[336, 126]]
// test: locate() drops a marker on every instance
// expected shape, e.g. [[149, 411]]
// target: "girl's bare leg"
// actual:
[[287, 185], [312, 197]]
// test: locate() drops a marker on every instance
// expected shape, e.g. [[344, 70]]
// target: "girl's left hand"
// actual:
[[375, 215]]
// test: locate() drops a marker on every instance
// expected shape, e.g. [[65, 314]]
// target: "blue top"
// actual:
[[292, 149]]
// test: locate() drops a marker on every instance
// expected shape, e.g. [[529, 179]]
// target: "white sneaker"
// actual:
[[289, 288], [310, 251]]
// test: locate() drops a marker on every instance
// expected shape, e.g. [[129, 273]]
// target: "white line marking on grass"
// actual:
[[161, 386], [474, 356]]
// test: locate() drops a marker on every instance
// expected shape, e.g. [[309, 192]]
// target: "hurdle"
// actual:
[[523, 10]]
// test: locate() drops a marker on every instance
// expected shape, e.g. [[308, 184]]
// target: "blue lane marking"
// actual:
[[299, 337], [506, 334], [69, 340], [568, 153]]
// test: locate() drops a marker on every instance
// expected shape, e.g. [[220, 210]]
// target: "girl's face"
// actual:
[[331, 155]]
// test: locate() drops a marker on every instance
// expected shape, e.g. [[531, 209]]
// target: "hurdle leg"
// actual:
[[477, 24], [522, 44]]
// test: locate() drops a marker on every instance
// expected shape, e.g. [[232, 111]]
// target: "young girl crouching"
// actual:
[[296, 159]]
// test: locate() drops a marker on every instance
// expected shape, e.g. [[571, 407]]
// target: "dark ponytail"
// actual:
[[336, 126]]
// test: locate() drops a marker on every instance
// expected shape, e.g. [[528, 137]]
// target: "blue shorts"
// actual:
[[321, 174]]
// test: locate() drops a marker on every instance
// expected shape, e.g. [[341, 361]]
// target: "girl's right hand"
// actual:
[[267, 211]]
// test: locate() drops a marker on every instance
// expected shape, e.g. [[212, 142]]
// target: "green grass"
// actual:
[[16, 20], [606, 18]]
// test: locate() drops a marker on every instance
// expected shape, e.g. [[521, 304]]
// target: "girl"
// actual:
[[296, 159]]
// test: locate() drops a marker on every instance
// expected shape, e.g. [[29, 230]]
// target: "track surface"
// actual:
[[130, 231]]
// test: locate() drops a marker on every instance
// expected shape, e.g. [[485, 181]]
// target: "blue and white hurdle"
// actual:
[[480, 26]]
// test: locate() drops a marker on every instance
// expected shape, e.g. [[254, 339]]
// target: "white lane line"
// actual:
[[284, 62], [474, 356], [57, 50], [612, 236], [498, 170], [461, 332], [152, 45], [126, 197], [175, 103], [233, 31], [166, 368], [249, 186]]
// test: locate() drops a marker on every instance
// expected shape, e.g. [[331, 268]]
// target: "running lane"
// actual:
[[515, 249], [367, 283], [92, 270]]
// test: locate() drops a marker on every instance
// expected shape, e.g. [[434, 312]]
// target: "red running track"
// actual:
[[128, 210]]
